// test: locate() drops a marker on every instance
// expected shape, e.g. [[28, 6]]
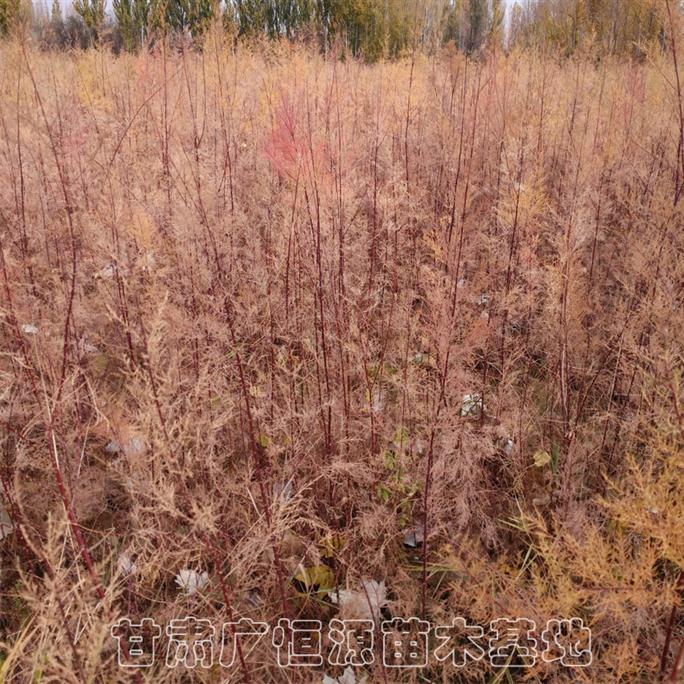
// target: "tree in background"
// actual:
[[273, 18], [186, 16], [496, 23], [9, 13], [470, 24], [476, 25], [361, 24], [138, 19], [372, 29], [609, 26], [288, 17], [56, 30], [92, 13], [123, 12]]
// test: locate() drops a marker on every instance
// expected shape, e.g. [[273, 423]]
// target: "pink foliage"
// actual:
[[285, 147], [289, 148]]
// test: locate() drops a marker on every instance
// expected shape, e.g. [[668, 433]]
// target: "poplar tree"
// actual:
[[92, 14]]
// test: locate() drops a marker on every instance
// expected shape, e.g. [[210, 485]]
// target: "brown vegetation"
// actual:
[[244, 297]]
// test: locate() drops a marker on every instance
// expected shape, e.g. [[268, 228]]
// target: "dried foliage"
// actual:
[[302, 325]]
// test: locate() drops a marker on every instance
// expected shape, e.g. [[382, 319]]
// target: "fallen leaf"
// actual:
[[541, 458], [361, 605], [317, 578]]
